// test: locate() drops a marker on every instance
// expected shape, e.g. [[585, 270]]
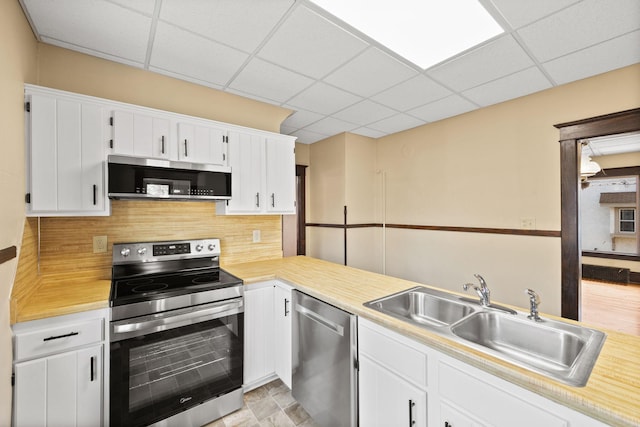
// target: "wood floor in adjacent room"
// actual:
[[612, 306]]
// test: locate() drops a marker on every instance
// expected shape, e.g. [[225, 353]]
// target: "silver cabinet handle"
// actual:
[[91, 362], [286, 308], [186, 153], [273, 200], [95, 195], [162, 147], [257, 200], [321, 320]]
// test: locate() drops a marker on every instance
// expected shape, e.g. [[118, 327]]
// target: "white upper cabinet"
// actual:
[[69, 137], [65, 142], [280, 166], [202, 144], [246, 152], [140, 135], [263, 175]]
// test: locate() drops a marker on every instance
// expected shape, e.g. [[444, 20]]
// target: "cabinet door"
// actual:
[[136, 134], [388, 400], [66, 157], [282, 341], [258, 336], [246, 153], [60, 390], [451, 417], [280, 165], [202, 144]]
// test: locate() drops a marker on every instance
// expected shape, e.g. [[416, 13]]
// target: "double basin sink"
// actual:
[[559, 350]]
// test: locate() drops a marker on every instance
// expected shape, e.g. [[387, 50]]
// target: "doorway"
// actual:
[[609, 238], [571, 136], [294, 240]]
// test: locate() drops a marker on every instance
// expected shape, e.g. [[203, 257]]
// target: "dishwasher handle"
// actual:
[[334, 327]]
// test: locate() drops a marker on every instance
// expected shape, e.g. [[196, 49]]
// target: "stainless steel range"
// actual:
[[176, 335]]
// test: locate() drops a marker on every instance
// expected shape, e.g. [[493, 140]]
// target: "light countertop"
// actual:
[[612, 394]]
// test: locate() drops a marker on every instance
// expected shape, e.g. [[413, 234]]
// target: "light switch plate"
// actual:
[[256, 236], [99, 244]]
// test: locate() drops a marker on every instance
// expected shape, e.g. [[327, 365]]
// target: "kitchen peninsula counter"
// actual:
[[612, 394]]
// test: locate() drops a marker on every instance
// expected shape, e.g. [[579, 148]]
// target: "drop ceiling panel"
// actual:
[[185, 53], [371, 133], [331, 126], [323, 99], [239, 24], [446, 107], [616, 53], [396, 123], [579, 26], [95, 25], [266, 80], [522, 12], [412, 93], [371, 72], [499, 58], [302, 118], [513, 86], [145, 6], [310, 44], [365, 112], [308, 137]]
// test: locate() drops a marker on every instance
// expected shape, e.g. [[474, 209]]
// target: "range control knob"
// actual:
[[142, 251], [199, 247], [211, 246], [125, 252]]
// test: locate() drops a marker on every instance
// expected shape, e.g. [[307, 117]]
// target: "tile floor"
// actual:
[[268, 406]]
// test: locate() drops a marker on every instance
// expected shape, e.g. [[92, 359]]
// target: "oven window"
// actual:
[[170, 371]]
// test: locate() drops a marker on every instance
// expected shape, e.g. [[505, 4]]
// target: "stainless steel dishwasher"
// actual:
[[325, 353]]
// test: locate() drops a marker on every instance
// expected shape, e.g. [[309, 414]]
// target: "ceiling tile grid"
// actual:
[[291, 53]]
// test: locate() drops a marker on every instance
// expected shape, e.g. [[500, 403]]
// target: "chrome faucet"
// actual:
[[483, 290], [534, 301]]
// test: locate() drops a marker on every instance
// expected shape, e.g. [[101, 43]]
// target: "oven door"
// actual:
[[166, 363]]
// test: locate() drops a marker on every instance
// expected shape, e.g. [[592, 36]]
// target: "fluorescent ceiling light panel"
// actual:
[[425, 32]]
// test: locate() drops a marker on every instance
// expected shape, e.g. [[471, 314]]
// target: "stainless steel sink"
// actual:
[[423, 306], [562, 351]]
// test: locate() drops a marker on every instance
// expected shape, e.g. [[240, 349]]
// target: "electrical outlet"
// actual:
[[528, 223], [256, 236], [99, 244]]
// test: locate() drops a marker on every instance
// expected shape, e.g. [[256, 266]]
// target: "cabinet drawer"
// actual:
[[397, 356], [42, 341]]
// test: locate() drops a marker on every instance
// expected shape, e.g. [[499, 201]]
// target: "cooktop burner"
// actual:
[[151, 271]]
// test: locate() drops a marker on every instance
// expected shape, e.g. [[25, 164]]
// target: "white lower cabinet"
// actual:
[[282, 332], [394, 370], [59, 371], [386, 399], [258, 334], [267, 333]]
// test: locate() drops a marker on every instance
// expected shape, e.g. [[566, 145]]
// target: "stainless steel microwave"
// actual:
[[141, 178]]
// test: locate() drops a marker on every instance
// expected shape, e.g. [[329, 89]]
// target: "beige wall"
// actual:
[[18, 52], [490, 168]]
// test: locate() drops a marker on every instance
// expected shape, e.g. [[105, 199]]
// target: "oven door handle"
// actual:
[[176, 320]]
